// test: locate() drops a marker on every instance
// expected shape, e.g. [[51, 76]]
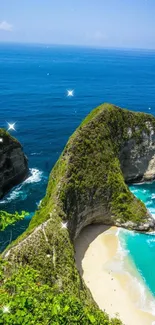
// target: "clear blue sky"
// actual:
[[106, 23]]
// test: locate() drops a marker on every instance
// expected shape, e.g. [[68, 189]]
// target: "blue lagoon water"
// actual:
[[140, 248], [33, 85]]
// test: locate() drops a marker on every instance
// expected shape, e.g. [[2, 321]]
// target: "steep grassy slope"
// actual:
[[88, 173]]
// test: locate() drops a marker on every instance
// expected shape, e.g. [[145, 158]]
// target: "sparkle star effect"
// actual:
[[6, 309], [70, 93], [64, 225], [11, 126]]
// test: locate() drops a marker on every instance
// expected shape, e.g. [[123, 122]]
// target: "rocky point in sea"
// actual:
[[13, 163]]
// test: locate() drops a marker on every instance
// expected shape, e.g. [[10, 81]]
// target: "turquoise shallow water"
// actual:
[[141, 247]]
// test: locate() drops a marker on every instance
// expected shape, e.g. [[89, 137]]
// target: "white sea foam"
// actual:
[[117, 232], [39, 203], [150, 305], [141, 289], [117, 264], [35, 176], [135, 190], [129, 232], [151, 240], [148, 203], [18, 191], [142, 183], [145, 301], [152, 211], [36, 153], [121, 254]]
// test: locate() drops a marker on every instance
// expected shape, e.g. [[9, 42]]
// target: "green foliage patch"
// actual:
[[25, 300], [7, 219]]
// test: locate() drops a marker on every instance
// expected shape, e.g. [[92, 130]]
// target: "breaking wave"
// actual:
[[21, 191]]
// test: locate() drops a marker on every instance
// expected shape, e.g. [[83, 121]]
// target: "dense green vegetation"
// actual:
[[87, 174], [3, 132], [93, 169], [7, 219], [90, 164], [25, 300]]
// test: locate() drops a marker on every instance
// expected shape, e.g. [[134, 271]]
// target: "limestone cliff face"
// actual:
[[88, 185], [13, 163], [138, 159]]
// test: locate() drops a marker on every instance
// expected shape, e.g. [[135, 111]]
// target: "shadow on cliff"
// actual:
[[83, 241]]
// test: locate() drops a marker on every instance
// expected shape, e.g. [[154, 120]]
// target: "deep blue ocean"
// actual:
[[34, 80]]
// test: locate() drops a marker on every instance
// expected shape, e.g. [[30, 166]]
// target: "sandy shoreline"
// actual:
[[96, 260]]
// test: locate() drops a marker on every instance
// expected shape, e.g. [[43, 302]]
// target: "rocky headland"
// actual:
[[111, 148], [13, 163]]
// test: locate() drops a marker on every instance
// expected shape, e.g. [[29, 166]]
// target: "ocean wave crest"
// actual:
[[21, 193], [16, 193], [149, 203], [35, 176], [122, 252], [152, 211], [151, 240], [36, 153], [144, 301]]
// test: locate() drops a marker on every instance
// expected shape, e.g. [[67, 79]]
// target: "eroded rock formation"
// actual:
[[13, 163], [137, 158]]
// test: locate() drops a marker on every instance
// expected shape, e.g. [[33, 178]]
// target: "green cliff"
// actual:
[[87, 185]]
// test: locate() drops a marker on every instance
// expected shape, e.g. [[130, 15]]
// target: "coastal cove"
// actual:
[[114, 281], [88, 186], [122, 278]]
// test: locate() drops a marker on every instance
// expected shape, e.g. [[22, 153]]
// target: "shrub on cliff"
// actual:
[[7, 219], [25, 300]]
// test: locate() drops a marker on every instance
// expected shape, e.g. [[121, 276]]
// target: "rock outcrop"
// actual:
[[137, 156], [13, 163], [88, 185]]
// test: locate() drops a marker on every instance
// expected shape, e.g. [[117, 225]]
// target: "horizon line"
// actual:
[[78, 45]]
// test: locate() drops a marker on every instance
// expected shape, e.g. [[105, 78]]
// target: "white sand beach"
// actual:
[[96, 250]]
